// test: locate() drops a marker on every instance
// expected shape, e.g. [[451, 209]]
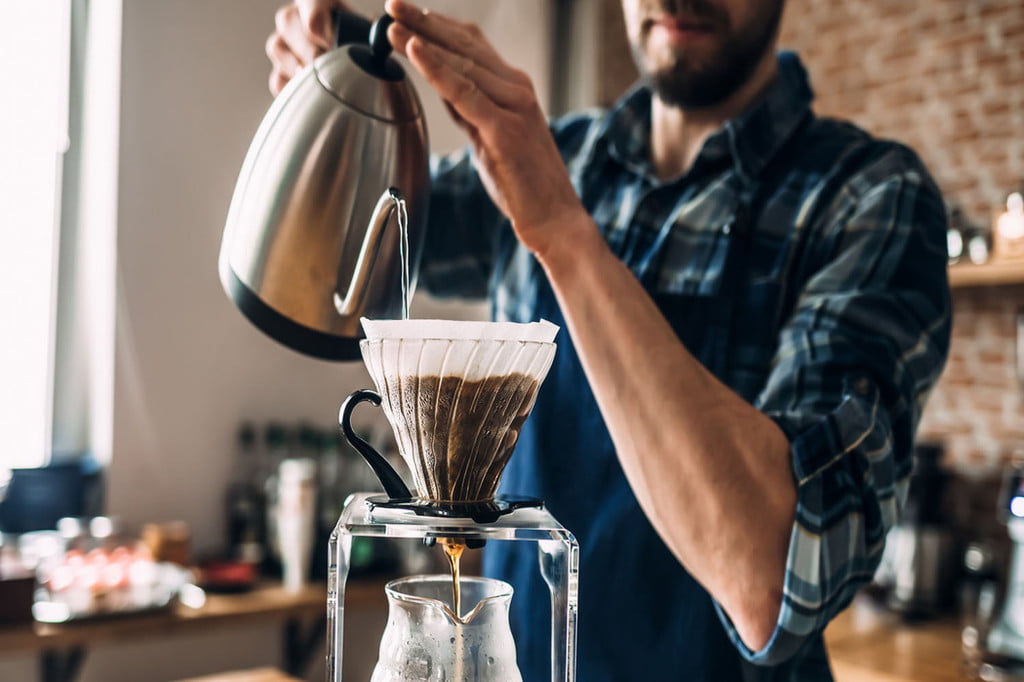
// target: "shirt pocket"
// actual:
[[693, 260], [689, 287], [726, 318]]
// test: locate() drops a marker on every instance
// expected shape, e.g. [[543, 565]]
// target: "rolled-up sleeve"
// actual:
[[855, 362]]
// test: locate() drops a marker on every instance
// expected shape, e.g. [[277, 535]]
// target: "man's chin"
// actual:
[[690, 90], [692, 59]]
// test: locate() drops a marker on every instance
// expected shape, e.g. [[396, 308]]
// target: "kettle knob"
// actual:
[[379, 44], [374, 55], [351, 28]]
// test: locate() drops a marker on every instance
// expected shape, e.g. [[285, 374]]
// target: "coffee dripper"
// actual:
[[307, 251], [455, 394]]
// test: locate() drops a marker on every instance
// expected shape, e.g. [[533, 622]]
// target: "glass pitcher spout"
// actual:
[[425, 640]]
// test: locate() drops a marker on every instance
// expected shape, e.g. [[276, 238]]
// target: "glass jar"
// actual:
[[426, 640]]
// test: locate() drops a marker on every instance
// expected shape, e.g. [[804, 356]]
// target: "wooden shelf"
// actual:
[[989, 274]]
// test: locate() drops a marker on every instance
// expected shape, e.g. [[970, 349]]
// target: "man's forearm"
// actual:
[[711, 472]]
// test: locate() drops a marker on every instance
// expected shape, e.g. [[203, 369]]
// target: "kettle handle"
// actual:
[[351, 302], [393, 484]]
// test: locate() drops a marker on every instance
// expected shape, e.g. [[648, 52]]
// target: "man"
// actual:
[[756, 304]]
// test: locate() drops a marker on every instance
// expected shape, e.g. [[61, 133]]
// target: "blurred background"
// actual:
[[124, 360]]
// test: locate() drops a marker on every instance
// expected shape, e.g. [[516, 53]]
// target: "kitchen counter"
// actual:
[[868, 644], [62, 648], [865, 643]]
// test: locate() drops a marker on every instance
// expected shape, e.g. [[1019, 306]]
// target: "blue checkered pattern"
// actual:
[[818, 254]]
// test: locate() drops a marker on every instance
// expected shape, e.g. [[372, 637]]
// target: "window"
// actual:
[[33, 139]]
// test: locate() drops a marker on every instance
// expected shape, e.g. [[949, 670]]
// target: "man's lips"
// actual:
[[681, 29], [684, 24]]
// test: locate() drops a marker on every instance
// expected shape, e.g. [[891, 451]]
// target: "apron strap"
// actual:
[[748, 210]]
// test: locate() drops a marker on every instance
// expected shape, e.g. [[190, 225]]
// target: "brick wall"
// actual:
[[977, 408], [944, 76], [947, 78]]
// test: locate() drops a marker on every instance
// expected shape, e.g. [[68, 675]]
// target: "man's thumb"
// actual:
[[317, 19]]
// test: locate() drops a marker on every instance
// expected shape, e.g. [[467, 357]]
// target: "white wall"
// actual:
[[189, 367]]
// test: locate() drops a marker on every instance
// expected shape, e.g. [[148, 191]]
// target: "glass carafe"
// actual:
[[426, 641], [557, 564]]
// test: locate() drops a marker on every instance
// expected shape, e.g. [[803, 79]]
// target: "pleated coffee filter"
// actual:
[[456, 394]]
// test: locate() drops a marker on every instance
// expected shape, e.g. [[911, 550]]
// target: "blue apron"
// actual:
[[641, 615]]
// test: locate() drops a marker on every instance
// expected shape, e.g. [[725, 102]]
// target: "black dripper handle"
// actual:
[[393, 484], [350, 28]]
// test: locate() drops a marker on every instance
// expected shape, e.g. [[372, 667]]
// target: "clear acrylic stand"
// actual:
[[557, 550]]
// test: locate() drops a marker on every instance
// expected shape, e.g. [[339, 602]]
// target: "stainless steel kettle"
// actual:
[[311, 242]]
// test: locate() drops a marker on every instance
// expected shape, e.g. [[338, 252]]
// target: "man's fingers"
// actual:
[[457, 117], [289, 26], [458, 91], [303, 30], [285, 63], [277, 82], [399, 37], [279, 53], [471, 132], [505, 93], [316, 20], [454, 35]]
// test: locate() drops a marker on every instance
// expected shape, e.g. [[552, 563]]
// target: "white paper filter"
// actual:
[[542, 331], [470, 349]]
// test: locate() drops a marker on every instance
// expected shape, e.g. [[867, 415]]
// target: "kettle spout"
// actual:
[[390, 201]]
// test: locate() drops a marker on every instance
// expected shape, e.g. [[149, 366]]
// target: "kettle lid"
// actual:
[[367, 78]]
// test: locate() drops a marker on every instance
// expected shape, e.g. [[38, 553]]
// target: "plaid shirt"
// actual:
[[804, 263]]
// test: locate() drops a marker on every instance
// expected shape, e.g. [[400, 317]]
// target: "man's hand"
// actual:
[[302, 32], [497, 107]]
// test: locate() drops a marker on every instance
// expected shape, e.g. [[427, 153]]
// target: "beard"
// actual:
[[694, 81]]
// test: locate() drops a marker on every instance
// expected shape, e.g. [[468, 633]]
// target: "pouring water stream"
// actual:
[[403, 250]]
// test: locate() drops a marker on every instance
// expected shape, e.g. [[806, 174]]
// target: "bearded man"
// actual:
[[756, 304]]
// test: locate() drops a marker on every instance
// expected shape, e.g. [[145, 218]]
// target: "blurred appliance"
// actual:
[[920, 551], [1006, 637], [37, 498]]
